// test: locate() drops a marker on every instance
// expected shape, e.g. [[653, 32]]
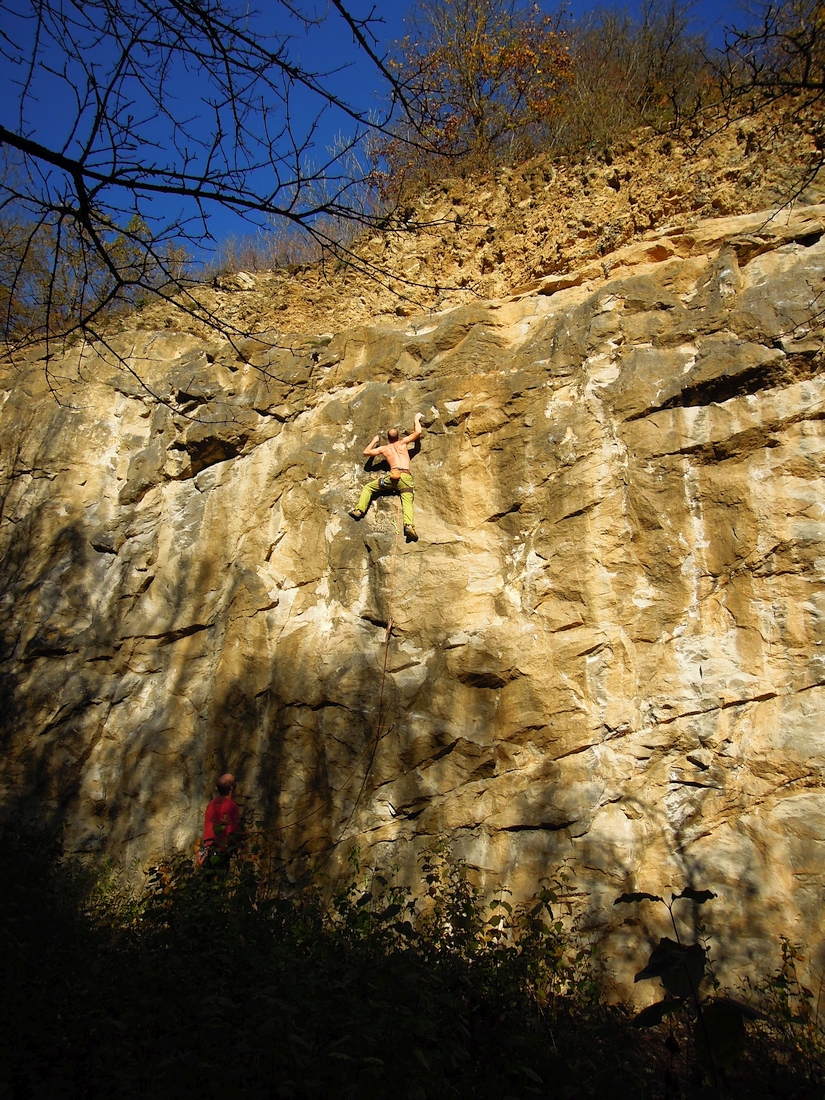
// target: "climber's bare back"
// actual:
[[397, 456]]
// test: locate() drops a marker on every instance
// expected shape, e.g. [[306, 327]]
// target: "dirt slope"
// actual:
[[485, 237]]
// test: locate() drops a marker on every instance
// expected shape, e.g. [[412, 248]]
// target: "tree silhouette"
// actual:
[[782, 54]]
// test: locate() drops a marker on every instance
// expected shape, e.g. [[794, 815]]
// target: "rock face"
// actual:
[[606, 650]]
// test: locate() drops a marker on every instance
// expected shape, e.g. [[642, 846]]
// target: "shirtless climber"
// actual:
[[399, 480]]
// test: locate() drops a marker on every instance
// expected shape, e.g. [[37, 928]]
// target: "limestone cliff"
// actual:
[[605, 650]]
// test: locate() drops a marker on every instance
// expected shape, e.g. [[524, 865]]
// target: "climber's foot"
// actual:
[[356, 514], [409, 531]]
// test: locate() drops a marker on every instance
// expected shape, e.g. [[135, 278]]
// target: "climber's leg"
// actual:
[[405, 489], [367, 493]]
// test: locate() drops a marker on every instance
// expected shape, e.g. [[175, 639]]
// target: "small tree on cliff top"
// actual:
[[629, 72], [483, 78]]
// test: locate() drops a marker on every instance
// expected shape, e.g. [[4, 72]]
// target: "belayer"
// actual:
[[396, 453], [221, 827]]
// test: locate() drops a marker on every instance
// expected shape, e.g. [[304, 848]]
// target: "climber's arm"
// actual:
[[415, 434], [373, 451]]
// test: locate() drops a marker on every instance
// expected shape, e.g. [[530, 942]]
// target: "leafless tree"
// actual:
[[781, 54], [777, 61], [629, 71], [126, 124]]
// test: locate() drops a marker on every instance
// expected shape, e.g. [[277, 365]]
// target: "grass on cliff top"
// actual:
[[226, 985]]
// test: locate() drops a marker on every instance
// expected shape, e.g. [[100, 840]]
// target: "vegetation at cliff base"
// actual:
[[214, 985]]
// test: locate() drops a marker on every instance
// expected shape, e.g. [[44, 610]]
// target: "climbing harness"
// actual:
[[389, 482]]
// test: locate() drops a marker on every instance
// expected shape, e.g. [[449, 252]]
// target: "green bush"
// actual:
[[208, 983]]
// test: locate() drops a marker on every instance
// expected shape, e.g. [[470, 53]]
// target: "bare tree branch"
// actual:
[[168, 110]]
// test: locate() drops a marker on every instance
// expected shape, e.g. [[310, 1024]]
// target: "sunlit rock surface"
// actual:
[[606, 649]]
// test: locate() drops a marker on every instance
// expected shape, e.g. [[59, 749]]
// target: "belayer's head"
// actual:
[[392, 435], [226, 784]]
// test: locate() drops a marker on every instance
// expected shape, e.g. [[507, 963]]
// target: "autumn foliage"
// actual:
[[482, 79]]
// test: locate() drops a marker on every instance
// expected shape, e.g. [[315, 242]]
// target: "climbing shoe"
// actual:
[[410, 534], [356, 514]]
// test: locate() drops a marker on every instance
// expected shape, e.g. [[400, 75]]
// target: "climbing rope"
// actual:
[[389, 614], [376, 737]]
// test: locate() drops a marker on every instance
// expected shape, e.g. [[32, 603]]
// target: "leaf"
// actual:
[[684, 980], [531, 1073], [665, 956], [699, 896], [640, 896], [680, 966], [655, 1013], [405, 929], [390, 911]]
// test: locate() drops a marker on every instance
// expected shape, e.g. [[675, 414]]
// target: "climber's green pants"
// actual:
[[384, 486]]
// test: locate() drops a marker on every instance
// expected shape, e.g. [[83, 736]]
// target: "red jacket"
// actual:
[[220, 822]]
